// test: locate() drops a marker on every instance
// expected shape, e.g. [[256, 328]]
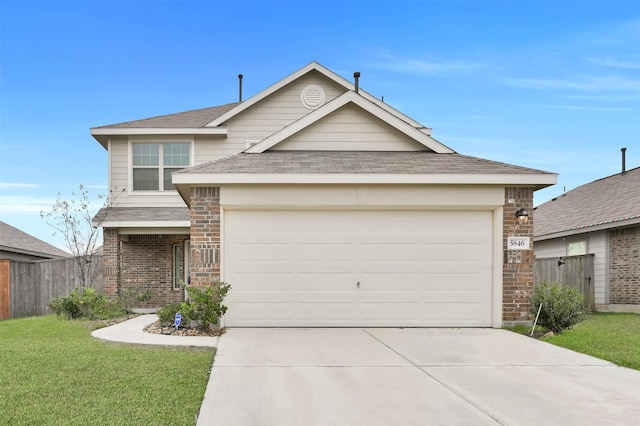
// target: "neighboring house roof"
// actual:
[[142, 216], [16, 241], [606, 203]]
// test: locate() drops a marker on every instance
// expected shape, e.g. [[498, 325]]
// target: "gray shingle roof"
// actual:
[[135, 214], [189, 119], [609, 202], [14, 240], [357, 162]]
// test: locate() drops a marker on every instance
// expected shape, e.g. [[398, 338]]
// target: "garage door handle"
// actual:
[[358, 284]]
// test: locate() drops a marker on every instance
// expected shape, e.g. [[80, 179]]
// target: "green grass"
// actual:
[[53, 372], [608, 336]]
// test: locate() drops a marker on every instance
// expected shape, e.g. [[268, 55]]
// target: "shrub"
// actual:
[[204, 304], [562, 307], [128, 298], [167, 314], [85, 303]]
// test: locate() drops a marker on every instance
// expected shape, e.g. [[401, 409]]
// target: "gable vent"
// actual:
[[312, 96]]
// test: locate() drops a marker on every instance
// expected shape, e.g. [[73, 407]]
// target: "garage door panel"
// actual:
[[415, 268]]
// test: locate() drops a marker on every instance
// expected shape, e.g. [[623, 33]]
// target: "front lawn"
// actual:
[[608, 336], [53, 372]]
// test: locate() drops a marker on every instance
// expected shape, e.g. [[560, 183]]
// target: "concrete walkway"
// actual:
[[132, 331]]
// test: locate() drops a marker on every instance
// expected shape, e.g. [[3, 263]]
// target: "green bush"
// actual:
[[167, 314], [204, 304], [562, 307], [85, 303]]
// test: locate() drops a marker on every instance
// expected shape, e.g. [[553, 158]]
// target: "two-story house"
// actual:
[[321, 205]]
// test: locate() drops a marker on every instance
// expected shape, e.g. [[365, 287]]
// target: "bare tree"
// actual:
[[73, 219]]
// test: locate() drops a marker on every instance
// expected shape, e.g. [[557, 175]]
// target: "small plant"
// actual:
[[562, 307], [204, 304], [129, 297], [167, 314], [85, 303]]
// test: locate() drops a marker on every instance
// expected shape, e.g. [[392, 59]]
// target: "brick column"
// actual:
[[110, 262], [624, 269], [517, 268], [205, 236]]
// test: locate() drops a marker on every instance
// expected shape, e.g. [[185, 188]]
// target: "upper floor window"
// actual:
[[153, 164]]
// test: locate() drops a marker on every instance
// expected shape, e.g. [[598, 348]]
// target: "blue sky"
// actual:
[[553, 85]]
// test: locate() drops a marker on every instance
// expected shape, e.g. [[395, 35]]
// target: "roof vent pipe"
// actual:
[[624, 165], [356, 76], [239, 87]]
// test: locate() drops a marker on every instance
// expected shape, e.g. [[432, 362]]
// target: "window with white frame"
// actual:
[[153, 164]]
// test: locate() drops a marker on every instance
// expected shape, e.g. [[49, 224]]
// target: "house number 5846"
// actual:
[[518, 243]]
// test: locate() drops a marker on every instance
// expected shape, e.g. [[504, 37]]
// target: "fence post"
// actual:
[[5, 289]]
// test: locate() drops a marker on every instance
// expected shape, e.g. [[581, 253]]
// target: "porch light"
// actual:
[[522, 215]]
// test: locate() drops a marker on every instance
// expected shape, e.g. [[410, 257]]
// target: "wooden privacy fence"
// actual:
[[571, 271], [27, 287]]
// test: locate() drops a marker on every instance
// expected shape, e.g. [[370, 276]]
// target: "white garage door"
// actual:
[[358, 268]]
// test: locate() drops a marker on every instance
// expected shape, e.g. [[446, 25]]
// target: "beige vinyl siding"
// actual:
[[118, 175], [278, 110], [597, 244], [349, 128], [211, 148], [550, 248]]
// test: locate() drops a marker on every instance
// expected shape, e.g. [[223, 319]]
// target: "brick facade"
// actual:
[[517, 268], [624, 266], [110, 262], [139, 264], [145, 262], [205, 236]]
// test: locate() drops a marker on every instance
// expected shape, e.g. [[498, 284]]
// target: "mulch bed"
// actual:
[[157, 328]]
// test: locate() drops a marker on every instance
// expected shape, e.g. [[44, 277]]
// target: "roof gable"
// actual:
[[355, 100], [311, 67], [610, 202]]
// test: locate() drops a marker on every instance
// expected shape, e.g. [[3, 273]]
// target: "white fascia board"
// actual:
[[335, 104], [536, 180], [159, 131], [268, 91], [146, 224], [586, 229]]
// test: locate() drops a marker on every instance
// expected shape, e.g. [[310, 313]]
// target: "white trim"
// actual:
[[139, 131], [149, 226], [110, 166], [314, 66], [537, 180], [497, 279], [335, 104]]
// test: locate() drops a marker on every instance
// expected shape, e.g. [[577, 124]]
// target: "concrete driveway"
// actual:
[[308, 377]]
